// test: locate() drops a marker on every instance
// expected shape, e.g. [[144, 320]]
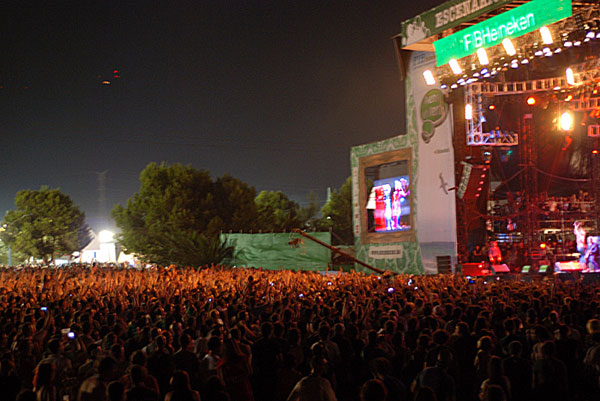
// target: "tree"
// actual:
[[178, 213], [276, 212], [337, 214], [309, 214], [45, 224]]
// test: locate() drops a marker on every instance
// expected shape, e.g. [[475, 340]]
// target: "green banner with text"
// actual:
[[511, 24], [277, 251], [445, 16]]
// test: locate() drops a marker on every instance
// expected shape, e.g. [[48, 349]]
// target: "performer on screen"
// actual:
[[580, 234]]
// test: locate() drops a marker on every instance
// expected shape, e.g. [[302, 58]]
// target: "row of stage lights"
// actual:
[[575, 39]]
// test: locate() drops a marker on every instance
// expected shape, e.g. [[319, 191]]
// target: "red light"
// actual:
[[480, 182], [531, 100], [115, 71], [479, 189], [543, 246], [595, 151], [482, 175], [492, 107]]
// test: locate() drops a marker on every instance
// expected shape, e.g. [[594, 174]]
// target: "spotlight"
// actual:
[[468, 111], [546, 35], [539, 53], [569, 98], [429, 78], [568, 43], [482, 56], [444, 86], [492, 107], [570, 76], [455, 67], [531, 101], [484, 71], [558, 50], [595, 151], [577, 43], [525, 61], [509, 47], [590, 35], [454, 86], [543, 246], [565, 122]]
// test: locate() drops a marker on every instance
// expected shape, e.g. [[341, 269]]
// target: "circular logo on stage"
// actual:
[[433, 113]]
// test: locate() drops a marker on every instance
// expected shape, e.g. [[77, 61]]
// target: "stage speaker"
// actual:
[[444, 264], [503, 268], [472, 181], [475, 269]]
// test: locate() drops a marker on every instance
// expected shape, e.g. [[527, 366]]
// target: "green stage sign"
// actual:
[[511, 24], [445, 16]]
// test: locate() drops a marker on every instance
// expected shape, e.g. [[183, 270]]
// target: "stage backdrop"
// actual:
[[277, 251], [429, 138]]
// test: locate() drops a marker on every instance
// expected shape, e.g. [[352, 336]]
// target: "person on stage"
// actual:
[[592, 254], [494, 253], [580, 234]]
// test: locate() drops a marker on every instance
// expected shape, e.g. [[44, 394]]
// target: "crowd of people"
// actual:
[[94, 333]]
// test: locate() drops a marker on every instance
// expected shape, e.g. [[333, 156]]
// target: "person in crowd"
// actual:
[[313, 387], [181, 389]]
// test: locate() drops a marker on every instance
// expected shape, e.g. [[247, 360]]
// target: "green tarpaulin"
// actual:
[[277, 251]]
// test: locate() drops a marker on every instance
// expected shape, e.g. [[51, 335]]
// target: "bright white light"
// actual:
[[566, 121], [570, 76], [106, 236], [482, 56], [429, 79], [509, 47], [590, 35], [455, 67], [546, 35], [568, 43], [468, 112]]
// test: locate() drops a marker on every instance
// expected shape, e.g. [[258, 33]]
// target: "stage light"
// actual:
[[558, 50], [455, 67], [468, 111], [429, 78], [595, 151], [482, 56], [484, 71], [531, 101], [543, 246], [577, 43], [492, 107], [568, 43], [570, 76], [509, 47], [453, 86], [539, 53], [590, 35], [569, 98], [546, 35], [525, 61], [444, 86], [565, 122]]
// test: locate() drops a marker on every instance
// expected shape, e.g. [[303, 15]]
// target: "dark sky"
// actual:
[[273, 92]]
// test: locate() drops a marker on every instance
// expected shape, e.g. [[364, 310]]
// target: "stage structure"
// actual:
[[503, 120]]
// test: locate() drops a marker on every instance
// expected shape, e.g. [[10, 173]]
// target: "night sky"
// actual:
[[272, 92]]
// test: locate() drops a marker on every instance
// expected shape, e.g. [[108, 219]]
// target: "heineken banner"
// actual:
[[429, 119], [279, 251], [445, 16], [511, 24]]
